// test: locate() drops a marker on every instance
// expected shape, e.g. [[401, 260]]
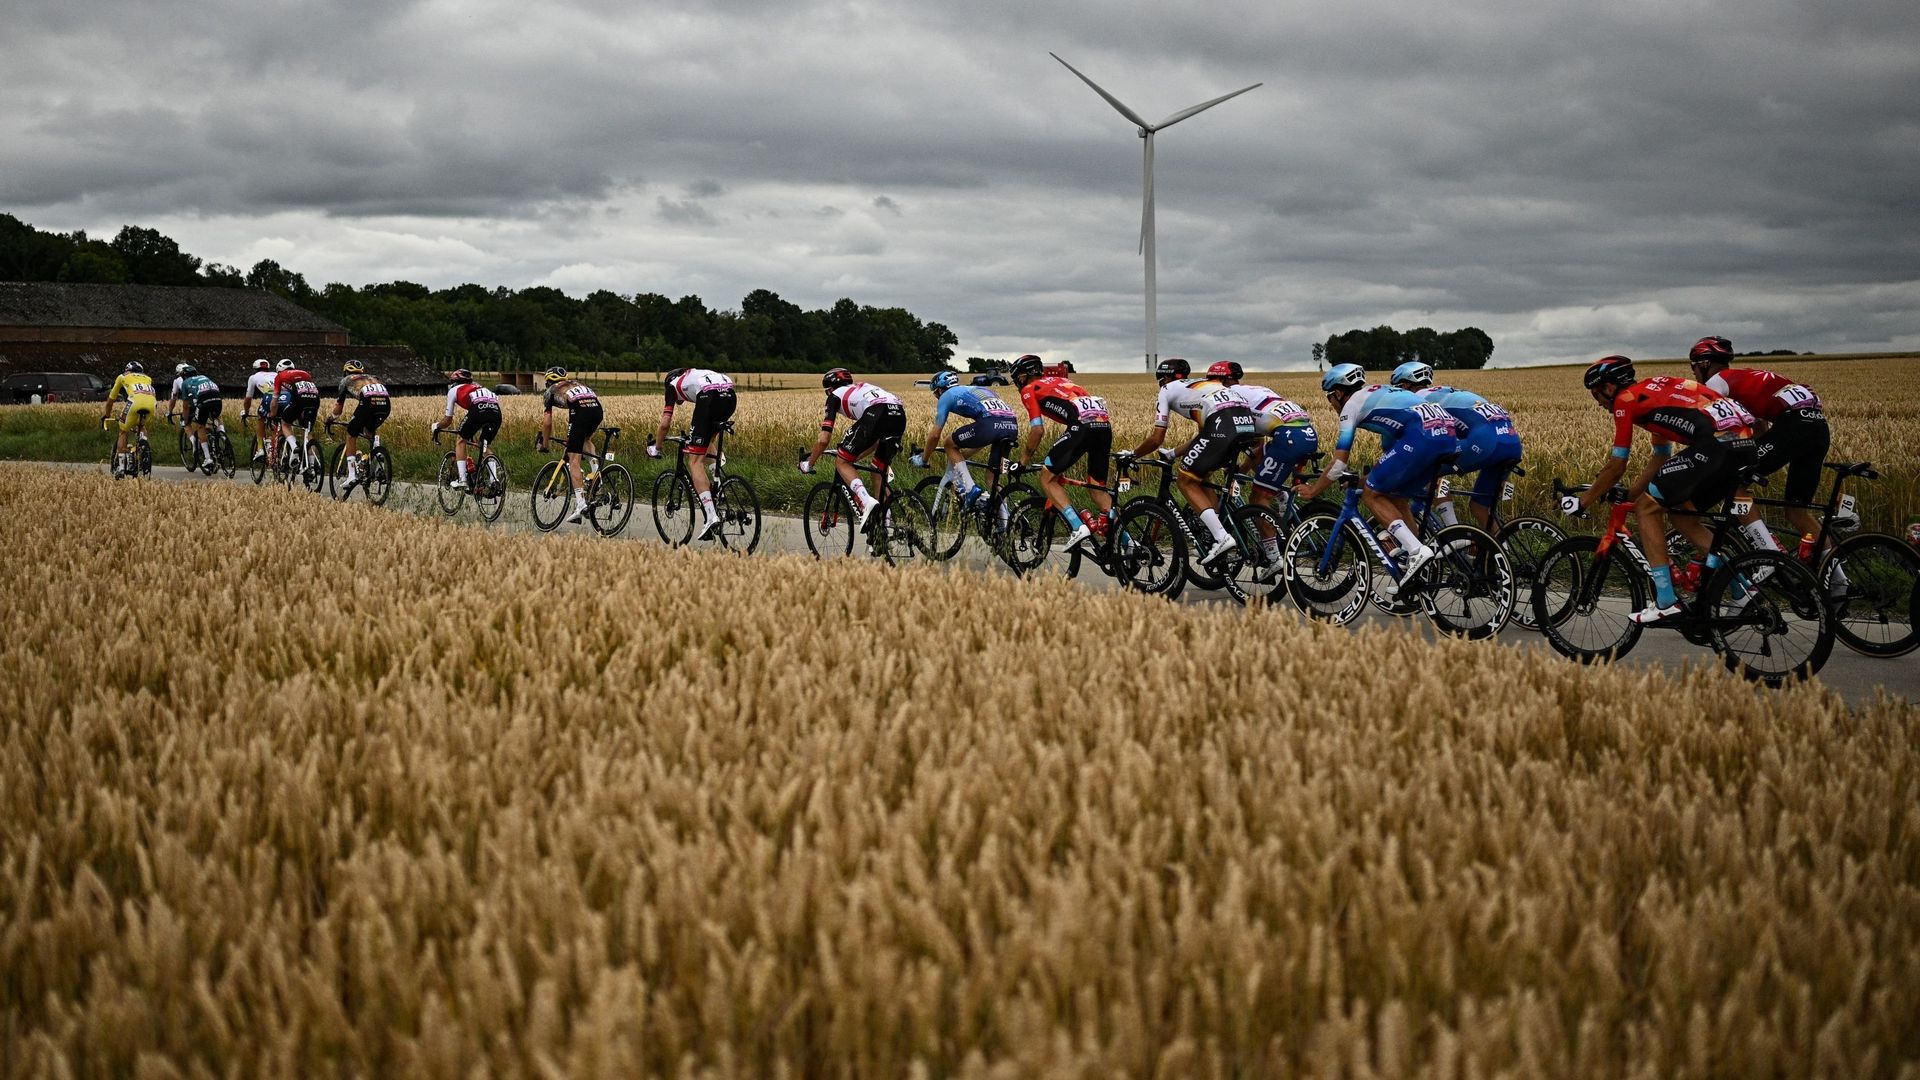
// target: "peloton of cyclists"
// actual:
[[1226, 427], [990, 423], [482, 422], [1290, 439], [1489, 443], [1088, 433], [371, 409], [879, 423], [199, 399], [714, 401]]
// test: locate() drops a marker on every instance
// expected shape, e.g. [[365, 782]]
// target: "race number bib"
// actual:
[[1433, 418], [306, 388], [1091, 407], [1726, 414], [1798, 397]]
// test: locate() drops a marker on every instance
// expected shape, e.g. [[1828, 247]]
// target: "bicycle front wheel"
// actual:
[[1329, 575], [548, 496], [947, 514], [610, 500], [1765, 617], [739, 508], [450, 499], [1469, 583], [1870, 581], [1582, 601], [1526, 541], [1252, 574], [674, 508], [1148, 550], [829, 522]]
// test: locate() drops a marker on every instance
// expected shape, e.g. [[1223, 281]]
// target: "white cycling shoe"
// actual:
[[1654, 613], [1079, 536], [579, 511], [707, 529], [1219, 549]]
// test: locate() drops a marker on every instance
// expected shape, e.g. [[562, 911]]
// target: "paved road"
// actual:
[[1856, 678]]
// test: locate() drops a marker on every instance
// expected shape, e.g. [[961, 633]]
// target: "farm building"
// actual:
[[49, 326]]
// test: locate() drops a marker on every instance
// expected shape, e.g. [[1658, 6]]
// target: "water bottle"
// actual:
[[1098, 523], [1805, 550]]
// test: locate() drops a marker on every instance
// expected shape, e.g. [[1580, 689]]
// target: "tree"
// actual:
[[270, 276], [155, 259]]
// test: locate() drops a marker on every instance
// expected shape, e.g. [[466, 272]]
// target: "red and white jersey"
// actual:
[[1196, 399], [470, 396], [1270, 410], [298, 380], [1763, 393], [693, 382], [854, 400]]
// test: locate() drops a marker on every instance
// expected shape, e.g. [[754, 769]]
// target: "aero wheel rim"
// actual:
[[1769, 625], [1588, 617]]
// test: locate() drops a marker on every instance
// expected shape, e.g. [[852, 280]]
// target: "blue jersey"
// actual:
[[1481, 418], [1395, 415], [971, 402]]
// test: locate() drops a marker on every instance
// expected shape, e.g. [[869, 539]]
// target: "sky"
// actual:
[[1575, 179]]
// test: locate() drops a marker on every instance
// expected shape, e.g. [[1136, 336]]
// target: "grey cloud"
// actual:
[[684, 212]]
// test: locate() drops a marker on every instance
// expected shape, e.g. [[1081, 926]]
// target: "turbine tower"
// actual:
[[1147, 132]]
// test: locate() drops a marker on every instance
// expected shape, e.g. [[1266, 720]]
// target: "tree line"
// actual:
[[507, 329], [1384, 348]]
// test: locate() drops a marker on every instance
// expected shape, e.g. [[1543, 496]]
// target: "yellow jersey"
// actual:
[[131, 385]]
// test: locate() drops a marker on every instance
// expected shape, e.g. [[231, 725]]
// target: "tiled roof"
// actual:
[[153, 306]]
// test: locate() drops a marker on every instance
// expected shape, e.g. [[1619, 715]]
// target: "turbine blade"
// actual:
[[1202, 107], [1111, 100]]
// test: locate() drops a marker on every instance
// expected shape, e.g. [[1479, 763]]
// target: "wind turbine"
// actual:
[[1147, 132]]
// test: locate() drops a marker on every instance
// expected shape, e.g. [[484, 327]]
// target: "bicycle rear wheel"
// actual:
[[1204, 578], [674, 508], [548, 496], [1870, 581], [256, 462], [829, 522], [739, 508], [337, 473], [1329, 575], [187, 459], [1148, 550], [490, 492], [1252, 574], [1527, 540], [1469, 585], [949, 516], [1582, 601], [905, 528], [379, 478], [610, 500], [313, 470], [1766, 618]]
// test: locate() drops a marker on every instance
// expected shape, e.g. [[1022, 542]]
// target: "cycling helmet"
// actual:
[[133, 368], [672, 375], [1412, 375], [943, 381], [1026, 367], [1224, 369], [354, 367], [1171, 368], [458, 376], [182, 369], [554, 374], [284, 365], [837, 378], [1709, 351], [1609, 371], [261, 364], [1343, 377]]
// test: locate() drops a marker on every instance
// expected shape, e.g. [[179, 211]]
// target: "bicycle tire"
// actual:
[[379, 479], [547, 498], [1200, 577], [145, 459], [610, 500], [256, 462], [313, 468], [906, 529], [1526, 540], [1147, 550], [1342, 591], [739, 507], [187, 461], [1584, 613], [997, 525], [1469, 586], [674, 507], [337, 472], [828, 524], [450, 499], [491, 497], [949, 516], [1873, 600], [223, 461], [1762, 603], [1241, 571]]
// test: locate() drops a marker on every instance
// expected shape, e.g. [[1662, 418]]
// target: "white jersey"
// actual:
[[693, 382], [1194, 398], [854, 400], [1270, 410], [260, 385]]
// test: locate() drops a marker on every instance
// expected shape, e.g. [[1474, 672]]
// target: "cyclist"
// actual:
[[1489, 446], [199, 399], [296, 401], [713, 400], [1226, 427], [1790, 426], [1290, 438], [1089, 433], [482, 423], [990, 423], [879, 422], [133, 387], [584, 413], [1417, 438], [1717, 434], [259, 392], [370, 411]]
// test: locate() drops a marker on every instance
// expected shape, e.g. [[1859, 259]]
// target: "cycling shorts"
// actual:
[[139, 411], [483, 422], [1408, 468], [582, 422], [1222, 435], [879, 430], [367, 418], [1492, 458], [985, 432], [1798, 440], [711, 409], [301, 413], [205, 409], [1093, 440], [1703, 474], [1287, 447]]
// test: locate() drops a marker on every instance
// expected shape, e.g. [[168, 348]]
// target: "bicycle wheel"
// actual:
[[948, 514], [905, 527], [1204, 578], [490, 492], [829, 522], [548, 496], [337, 473], [256, 462], [313, 469], [187, 458], [1328, 572], [1870, 581], [1039, 531], [223, 454], [1148, 549], [1526, 540], [674, 508], [450, 499], [379, 478], [1252, 574], [739, 508], [1582, 602], [610, 500], [1001, 527], [146, 458], [1469, 585], [1765, 616]]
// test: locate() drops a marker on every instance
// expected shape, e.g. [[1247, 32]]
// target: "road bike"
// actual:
[[1760, 611], [486, 480], [1142, 545], [899, 530], [373, 469], [676, 506], [606, 487], [1525, 539], [136, 462], [1252, 572], [987, 517]]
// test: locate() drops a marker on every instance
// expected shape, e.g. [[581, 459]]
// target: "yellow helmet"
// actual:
[[554, 374], [354, 367]]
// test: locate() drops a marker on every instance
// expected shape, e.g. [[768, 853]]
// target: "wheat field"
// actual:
[[361, 793]]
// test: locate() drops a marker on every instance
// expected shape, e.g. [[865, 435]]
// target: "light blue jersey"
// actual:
[[1480, 416], [1394, 415], [972, 403]]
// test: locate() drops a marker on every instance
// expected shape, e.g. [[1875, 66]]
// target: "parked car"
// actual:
[[33, 387], [990, 378]]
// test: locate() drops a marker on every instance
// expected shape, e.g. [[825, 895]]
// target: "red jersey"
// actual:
[[1063, 401], [301, 382], [1763, 393], [471, 396], [1676, 410]]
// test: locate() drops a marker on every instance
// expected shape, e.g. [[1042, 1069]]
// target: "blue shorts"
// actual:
[[1407, 469], [985, 432], [1493, 458], [1287, 447]]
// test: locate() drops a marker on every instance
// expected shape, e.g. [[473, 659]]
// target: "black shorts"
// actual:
[[711, 409], [1704, 474], [985, 432], [1797, 441], [582, 422], [1221, 436], [1095, 441], [205, 409], [879, 429], [301, 412], [367, 418], [483, 422]]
